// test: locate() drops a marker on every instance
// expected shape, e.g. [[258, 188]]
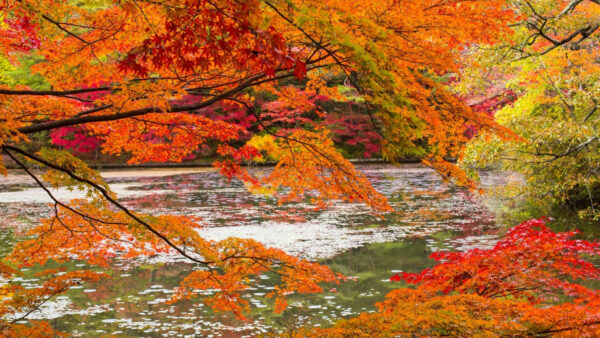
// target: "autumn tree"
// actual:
[[139, 76], [550, 64]]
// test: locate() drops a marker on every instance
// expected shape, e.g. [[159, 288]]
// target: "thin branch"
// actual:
[[108, 197], [52, 92]]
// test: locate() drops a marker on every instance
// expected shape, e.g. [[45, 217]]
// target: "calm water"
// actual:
[[431, 215]]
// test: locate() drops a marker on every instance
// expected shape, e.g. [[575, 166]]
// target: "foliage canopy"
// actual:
[[155, 81]]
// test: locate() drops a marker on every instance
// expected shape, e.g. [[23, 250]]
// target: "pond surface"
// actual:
[[431, 215]]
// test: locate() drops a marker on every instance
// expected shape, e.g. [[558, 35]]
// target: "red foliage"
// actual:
[[20, 35], [354, 128], [490, 102], [531, 261], [75, 138], [193, 40]]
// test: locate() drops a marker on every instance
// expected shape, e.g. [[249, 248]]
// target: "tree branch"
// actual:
[[107, 196]]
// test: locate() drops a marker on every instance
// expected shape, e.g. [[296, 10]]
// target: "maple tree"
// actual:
[[527, 284], [156, 81]]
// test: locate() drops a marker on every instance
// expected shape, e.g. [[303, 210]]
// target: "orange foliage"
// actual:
[[409, 313], [391, 52], [308, 162], [241, 258], [17, 302]]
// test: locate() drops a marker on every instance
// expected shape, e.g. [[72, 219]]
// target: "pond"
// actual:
[[431, 215]]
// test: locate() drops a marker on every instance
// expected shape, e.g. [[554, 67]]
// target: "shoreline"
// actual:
[[210, 165]]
